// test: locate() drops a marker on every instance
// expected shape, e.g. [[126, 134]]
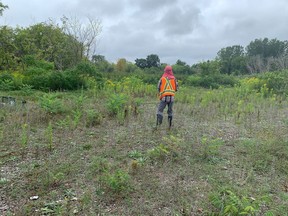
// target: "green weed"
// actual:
[[135, 154], [228, 203], [24, 136], [93, 117], [160, 152], [118, 182], [209, 148], [98, 165], [77, 114], [49, 136], [26, 89], [51, 104], [116, 104], [3, 181]]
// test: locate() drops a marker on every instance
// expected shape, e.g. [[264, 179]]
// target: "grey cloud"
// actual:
[[152, 5], [179, 21], [104, 8], [189, 30], [188, 50], [128, 42], [240, 24]]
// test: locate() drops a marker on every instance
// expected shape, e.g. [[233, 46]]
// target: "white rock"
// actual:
[[34, 197]]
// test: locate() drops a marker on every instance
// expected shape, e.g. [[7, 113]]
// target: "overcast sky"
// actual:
[[189, 30]]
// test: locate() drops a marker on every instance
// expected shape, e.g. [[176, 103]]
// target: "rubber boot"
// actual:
[[159, 119], [170, 121]]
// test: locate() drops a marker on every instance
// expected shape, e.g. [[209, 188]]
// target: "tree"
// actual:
[[181, 67], [102, 64], [181, 63], [209, 68], [121, 65], [141, 63], [153, 61], [267, 55], [232, 59], [277, 48], [266, 48], [255, 64], [98, 58], [47, 41], [2, 8], [7, 48], [257, 47], [150, 61], [85, 35]]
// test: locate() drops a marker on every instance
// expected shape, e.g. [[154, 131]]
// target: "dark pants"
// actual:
[[166, 101]]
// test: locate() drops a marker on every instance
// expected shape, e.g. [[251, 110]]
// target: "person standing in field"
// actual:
[[167, 86]]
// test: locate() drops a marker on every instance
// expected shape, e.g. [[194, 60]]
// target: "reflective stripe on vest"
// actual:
[[167, 87]]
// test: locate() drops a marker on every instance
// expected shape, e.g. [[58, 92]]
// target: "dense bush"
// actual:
[[278, 81], [34, 71], [211, 81], [225, 80], [252, 83], [274, 82], [56, 80], [151, 79], [86, 69], [7, 82], [73, 81], [5, 76], [182, 69], [39, 81], [32, 61], [43, 79]]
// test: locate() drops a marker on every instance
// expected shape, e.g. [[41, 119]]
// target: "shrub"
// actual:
[[85, 68], [213, 81], [7, 85], [51, 104], [225, 80], [7, 82], [56, 81], [93, 118], [74, 81], [228, 203], [276, 81], [53, 80], [116, 104], [39, 81], [118, 182], [32, 61], [151, 78], [252, 83], [193, 80], [6, 76]]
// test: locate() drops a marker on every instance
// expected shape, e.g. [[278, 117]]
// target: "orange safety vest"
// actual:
[[167, 88]]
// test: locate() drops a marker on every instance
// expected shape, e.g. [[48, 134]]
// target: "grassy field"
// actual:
[[97, 152]]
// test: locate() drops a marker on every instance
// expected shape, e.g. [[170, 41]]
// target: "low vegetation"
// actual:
[[97, 151]]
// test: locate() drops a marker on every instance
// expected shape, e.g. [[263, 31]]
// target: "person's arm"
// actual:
[[159, 85]]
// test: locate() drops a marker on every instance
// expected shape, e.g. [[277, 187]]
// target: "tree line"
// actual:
[[67, 45], [50, 46]]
